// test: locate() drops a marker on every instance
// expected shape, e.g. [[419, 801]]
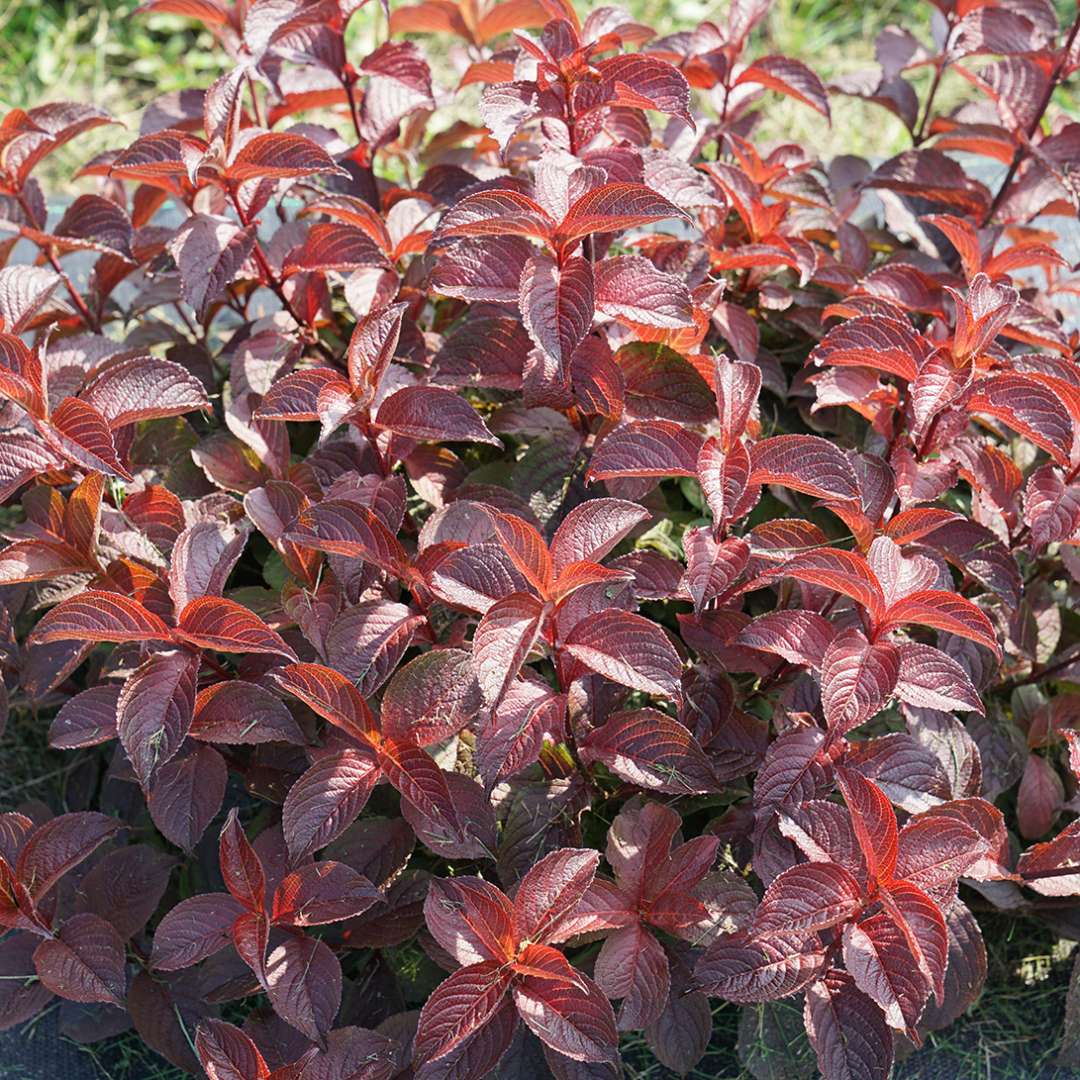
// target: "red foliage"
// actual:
[[611, 491]]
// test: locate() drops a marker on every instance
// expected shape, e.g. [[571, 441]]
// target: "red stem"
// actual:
[[1021, 151]]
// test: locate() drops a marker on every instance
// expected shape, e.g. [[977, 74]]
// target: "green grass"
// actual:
[[103, 53], [1014, 1031], [127, 1057], [31, 771]]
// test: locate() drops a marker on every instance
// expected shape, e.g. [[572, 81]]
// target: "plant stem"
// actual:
[[919, 137], [1021, 151], [270, 279]]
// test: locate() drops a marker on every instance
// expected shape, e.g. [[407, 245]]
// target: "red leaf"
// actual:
[[239, 713], [86, 719], [799, 637], [931, 174], [874, 823], [632, 965], [823, 832], [876, 342], [186, 795], [193, 930], [372, 345], [160, 156], [647, 448], [332, 245], [1030, 408], [652, 750], [712, 568], [592, 529], [847, 1030], [574, 1019], [134, 388], [550, 892], [631, 288], [627, 649], [60, 845], [212, 622], [526, 548], [639, 81], [209, 253], [38, 560], [790, 77], [241, 867], [321, 892], [470, 919], [303, 982], [431, 698], [84, 962], [434, 414], [346, 528], [512, 738], [556, 302], [923, 926], [502, 642], [1039, 799], [82, 434], [934, 852], [203, 556], [279, 155], [804, 463], [330, 694], [299, 395], [444, 816], [96, 616], [495, 212], [544, 962], [613, 208], [485, 269], [741, 968], [326, 800], [1062, 853], [458, 1007], [155, 709], [878, 958], [857, 679], [812, 896], [930, 679], [250, 936], [226, 1053], [724, 478], [946, 611], [845, 572]]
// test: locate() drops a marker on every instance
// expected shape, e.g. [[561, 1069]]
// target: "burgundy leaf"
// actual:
[[303, 982], [847, 1030], [574, 1019], [212, 622], [652, 750], [804, 463], [226, 1053], [790, 77], [628, 650], [738, 967], [458, 1007], [196, 928], [812, 896], [857, 679], [84, 962]]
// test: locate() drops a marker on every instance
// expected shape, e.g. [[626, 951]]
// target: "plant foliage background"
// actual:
[[511, 548]]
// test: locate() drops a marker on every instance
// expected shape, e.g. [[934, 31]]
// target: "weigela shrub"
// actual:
[[553, 567]]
